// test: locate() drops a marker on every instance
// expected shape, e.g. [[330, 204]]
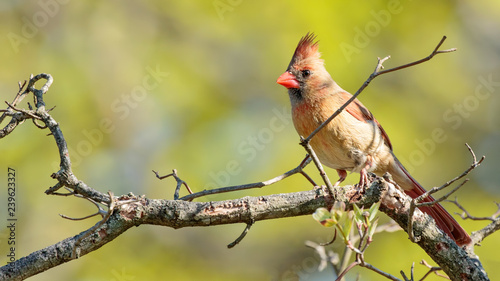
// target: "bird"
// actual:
[[354, 140]]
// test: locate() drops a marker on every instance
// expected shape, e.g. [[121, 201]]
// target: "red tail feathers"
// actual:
[[443, 219]]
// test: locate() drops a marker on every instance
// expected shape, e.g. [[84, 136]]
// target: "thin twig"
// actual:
[[54, 188], [412, 272], [344, 272], [40, 126], [111, 208], [296, 170], [23, 111], [404, 276], [242, 235], [304, 163], [100, 210], [466, 215], [444, 197], [431, 270], [179, 181], [415, 202], [19, 96], [383, 273], [20, 93], [79, 219], [316, 161], [474, 165], [412, 269], [435, 52], [345, 259], [478, 236], [325, 258], [331, 241]]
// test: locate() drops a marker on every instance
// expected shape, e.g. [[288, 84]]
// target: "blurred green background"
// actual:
[[191, 86]]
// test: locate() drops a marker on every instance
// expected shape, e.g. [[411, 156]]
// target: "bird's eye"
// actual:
[[306, 73]]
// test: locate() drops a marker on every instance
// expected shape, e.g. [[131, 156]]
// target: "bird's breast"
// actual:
[[330, 144], [344, 143]]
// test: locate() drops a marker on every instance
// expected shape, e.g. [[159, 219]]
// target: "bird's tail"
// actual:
[[443, 219]]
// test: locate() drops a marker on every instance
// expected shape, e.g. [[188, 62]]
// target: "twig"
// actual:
[[404, 276], [242, 235], [412, 272], [81, 218], [325, 258], [415, 202], [366, 265], [412, 269], [38, 94], [40, 126], [54, 188], [111, 208], [433, 190], [178, 180], [100, 210], [19, 96], [303, 164], [385, 274], [478, 236], [331, 241], [349, 267], [345, 259], [444, 197], [307, 146], [388, 227], [466, 215], [298, 169], [23, 111], [431, 270], [17, 119], [434, 52]]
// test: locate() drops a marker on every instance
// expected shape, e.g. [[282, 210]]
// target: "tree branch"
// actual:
[[456, 262], [171, 213]]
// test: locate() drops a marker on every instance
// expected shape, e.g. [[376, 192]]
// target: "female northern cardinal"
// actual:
[[354, 140]]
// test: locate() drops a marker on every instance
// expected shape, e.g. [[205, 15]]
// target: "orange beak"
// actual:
[[288, 80]]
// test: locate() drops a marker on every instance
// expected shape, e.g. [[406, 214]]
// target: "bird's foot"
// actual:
[[360, 187]]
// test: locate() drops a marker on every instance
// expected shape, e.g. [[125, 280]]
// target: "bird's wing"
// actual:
[[360, 112]]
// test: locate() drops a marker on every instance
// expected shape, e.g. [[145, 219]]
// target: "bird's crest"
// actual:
[[306, 52]]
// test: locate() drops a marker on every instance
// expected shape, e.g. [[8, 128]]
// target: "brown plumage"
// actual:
[[354, 140]]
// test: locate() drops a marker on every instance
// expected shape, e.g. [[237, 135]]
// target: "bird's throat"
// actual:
[[296, 95]]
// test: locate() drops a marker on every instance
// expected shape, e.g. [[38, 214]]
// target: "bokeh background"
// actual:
[[191, 85]]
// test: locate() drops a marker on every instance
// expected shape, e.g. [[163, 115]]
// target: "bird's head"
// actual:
[[306, 73]]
